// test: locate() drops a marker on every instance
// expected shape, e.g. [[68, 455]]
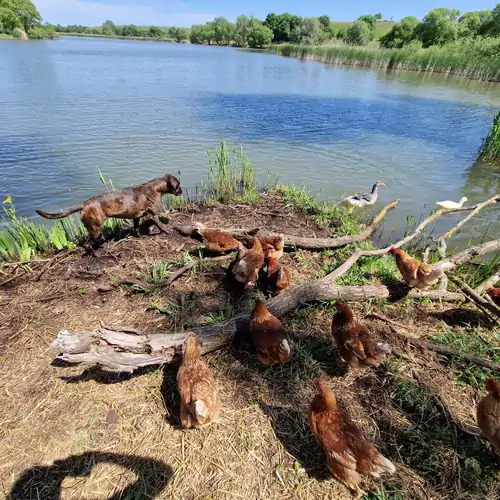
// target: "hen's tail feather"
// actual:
[[198, 410], [383, 348], [383, 465]]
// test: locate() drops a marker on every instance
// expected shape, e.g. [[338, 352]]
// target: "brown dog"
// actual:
[[129, 203]]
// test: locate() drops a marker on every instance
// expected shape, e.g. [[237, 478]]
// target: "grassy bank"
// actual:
[[477, 59]]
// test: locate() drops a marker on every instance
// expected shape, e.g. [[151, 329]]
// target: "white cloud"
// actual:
[[88, 13]]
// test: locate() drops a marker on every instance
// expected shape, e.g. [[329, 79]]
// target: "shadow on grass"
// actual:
[[45, 481], [170, 395], [463, 317], [99, 375], [292, 429], [453, 462]]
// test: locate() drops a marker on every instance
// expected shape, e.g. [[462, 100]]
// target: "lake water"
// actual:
[[138, 110]]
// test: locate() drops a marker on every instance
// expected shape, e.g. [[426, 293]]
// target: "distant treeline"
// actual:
[[439, 27], [128, 30], [443, 26]]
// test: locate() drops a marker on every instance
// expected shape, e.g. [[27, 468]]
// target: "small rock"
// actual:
[[112, 417]]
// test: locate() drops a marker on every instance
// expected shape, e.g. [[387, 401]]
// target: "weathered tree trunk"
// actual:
[[124, 350]]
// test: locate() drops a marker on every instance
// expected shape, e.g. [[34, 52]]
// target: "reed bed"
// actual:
[[490, 149], [471, 58]]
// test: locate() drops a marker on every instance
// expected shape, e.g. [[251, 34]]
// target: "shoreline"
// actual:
[[117, 37]]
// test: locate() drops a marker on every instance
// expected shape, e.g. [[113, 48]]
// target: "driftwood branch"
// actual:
[[305, 243], [324, 243], [123, 350], [475, 297]]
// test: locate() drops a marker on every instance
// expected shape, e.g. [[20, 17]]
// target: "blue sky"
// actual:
[[187, 12]]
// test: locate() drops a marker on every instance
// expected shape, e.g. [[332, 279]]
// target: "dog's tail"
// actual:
[[60, 215]]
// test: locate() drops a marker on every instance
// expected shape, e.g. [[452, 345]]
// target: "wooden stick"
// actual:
[[474, 296]]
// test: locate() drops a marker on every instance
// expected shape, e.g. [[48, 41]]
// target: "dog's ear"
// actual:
[[172, 183]]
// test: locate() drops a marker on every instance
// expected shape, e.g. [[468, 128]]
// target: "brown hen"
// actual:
[[348, 453], [216, 240], [269, 336], [417, 273], [246, 267], [488, 413], [494, 293], [273, 246], [279, 277], [354, 342], [200, 403]]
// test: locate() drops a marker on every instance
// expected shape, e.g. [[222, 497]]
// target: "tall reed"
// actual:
[[231, 176], [490, 150]]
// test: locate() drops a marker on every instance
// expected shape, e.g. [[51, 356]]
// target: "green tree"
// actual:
[[9, 20], [196, 34], [155, 32], [223, 31], [308, 32], [260, 35], [130, 30], [242, 30], [491, 25], [325, 22], [179, 34], [201, 33], [401, 34], [470, 24], [371, 20], [359, 33], [438, 27], [19, 13], [108, 28], [283, 26], [341, 34]]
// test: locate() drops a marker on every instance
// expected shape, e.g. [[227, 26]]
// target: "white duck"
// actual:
[[364, 199], [448, 205]]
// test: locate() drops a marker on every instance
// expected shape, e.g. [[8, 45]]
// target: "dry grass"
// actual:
[[82, 434]]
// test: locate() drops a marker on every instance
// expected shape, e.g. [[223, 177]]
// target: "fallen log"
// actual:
[[292, 242], [124, 350]]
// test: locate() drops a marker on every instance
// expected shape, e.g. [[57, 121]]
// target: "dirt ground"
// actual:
[[76, 433]]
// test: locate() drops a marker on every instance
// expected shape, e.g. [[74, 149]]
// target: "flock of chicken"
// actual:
[[348, 454]]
